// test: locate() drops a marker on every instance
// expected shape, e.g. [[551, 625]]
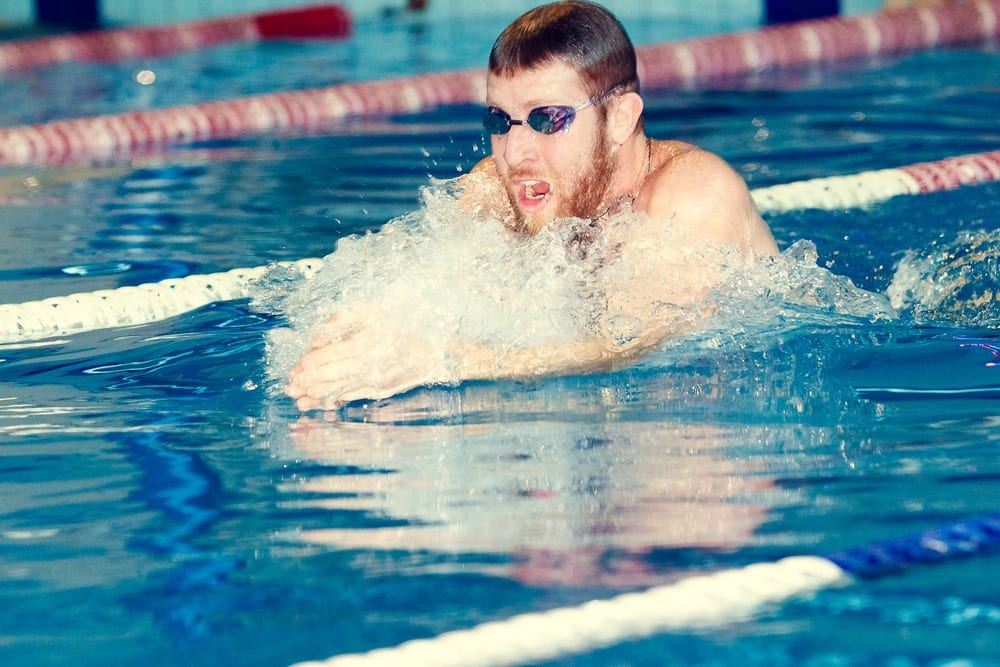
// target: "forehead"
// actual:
[[555, 82]]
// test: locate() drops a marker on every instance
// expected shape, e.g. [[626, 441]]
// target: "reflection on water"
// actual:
[[555, 495], [573, 480]]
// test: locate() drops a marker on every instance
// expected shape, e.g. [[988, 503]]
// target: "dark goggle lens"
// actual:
[[549, 120], [545, 120], [496, 121]]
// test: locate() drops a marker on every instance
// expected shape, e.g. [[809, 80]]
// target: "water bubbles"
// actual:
[[145, 77], [957, 281]]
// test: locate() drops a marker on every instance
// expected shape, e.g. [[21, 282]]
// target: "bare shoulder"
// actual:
[[685, 174], [701, 195]]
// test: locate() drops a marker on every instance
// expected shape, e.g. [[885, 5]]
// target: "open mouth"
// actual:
[[534, 192]]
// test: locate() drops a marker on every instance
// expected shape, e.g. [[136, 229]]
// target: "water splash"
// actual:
[[442, 274], [952, 283], [447, 276], [791, 290]]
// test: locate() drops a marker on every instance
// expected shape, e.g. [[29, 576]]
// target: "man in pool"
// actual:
[[568, 141]]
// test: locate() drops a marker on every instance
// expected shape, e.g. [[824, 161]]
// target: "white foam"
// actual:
[[448, 276]]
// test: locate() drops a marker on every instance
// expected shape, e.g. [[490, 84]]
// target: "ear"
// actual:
[[624, 116]]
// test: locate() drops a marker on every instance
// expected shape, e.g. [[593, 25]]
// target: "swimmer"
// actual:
[[565, 119]]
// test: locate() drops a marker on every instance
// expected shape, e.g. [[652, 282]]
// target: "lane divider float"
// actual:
[[871, 187], [103, 139], [152, 302], [131, 305], [698, 602], [315, 21], [685, 63], [888, 33]]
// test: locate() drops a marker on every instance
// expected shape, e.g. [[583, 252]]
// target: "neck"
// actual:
[[633, 164]]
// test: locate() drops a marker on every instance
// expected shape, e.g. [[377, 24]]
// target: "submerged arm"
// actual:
[[347, 369]]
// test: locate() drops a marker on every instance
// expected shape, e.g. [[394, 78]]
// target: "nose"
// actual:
[[517, 146]]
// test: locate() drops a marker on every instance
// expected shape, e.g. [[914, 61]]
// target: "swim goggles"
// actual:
[[546, 120]]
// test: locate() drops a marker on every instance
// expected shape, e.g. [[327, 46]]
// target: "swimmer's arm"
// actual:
[[478, 187], [593, 355], [485, 166], [332, 373]]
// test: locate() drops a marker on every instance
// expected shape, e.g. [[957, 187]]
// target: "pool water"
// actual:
[[160, 502]]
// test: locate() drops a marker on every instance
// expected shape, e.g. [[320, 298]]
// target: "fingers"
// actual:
[[327, 382], [349, 361], [311, 391], [329, 376], [318, 375], [314, 397], [307, 403]]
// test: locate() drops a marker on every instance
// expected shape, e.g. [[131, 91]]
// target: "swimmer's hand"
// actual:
[[350, 360], [353, 357]]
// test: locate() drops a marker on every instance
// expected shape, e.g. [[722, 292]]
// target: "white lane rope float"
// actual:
[[152, 302], [676, 64], [697, 602], [131, 305]]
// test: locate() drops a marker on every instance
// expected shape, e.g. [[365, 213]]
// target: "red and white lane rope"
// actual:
[[325, 20], [892, 32], [870, 187], [102, 138], [152, 302]]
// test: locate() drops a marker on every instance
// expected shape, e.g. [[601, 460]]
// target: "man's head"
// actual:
[[562, 89], [582, 34]]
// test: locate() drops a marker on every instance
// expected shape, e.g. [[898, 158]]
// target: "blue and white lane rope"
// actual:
[[697, 602]]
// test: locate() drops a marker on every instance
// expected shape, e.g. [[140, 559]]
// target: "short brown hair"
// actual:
[[583, 34]]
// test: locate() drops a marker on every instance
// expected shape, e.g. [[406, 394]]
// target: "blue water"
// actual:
[[158, 503]]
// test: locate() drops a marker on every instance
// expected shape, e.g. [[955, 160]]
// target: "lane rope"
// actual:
[[871, 187], [684, 63], [152, 302], [887, 33], [701, 601], [131, 305], [321, 20]]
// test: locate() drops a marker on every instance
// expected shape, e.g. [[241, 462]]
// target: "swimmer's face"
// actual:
[[549, 176]]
